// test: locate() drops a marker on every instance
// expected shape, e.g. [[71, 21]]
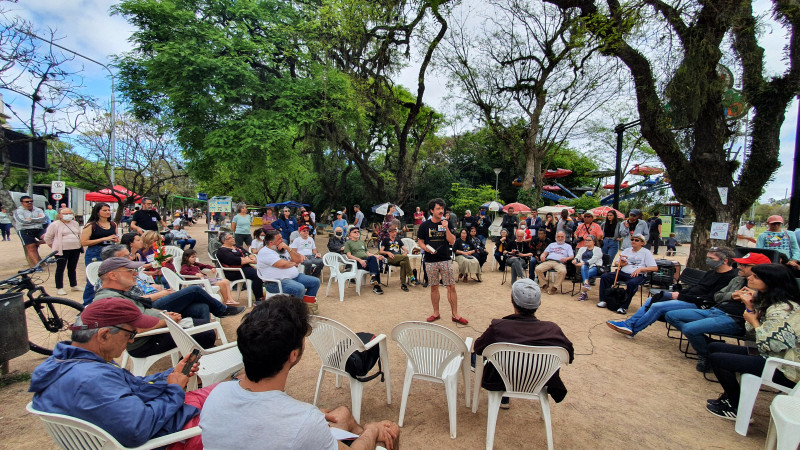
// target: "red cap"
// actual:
[[753, 259], [305, 213], [303, 227], [107, 312], [774, 219]]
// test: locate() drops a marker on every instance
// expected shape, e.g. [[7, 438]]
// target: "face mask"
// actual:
[[261, 238], [339, 234], [714, 264], [67, 217]]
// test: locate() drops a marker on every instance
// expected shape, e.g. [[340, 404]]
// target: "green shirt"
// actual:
[[356, 248], [139, 341], [242, 223]]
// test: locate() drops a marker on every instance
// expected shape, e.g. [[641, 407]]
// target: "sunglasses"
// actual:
[[637, 240], [131, 333], [27, 201]]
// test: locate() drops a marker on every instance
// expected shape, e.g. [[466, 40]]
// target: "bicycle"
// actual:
[[55, 315]]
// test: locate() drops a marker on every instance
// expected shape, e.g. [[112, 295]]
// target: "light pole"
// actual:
[[113, 144], [496, 180]]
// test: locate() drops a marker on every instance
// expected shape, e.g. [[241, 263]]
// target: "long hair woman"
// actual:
[[98, 232]]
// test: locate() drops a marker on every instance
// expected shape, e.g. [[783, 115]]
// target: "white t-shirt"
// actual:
[[256, 246], [743, 231], [637, 260], [303, 246], [176, 222], [556, 251], [235, 418], [266, 258]]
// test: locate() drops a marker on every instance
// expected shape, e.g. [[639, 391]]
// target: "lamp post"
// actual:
[[496, 181], [112, 146]]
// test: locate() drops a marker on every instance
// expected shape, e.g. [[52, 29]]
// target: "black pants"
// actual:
[[655, 240], [251, 274], [727, 360], [69, 261], [163, 342]]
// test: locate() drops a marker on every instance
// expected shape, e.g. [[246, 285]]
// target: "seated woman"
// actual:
[[151, 240], [229, 255], [477, 243], [772, 300], [589, 260], [499, 249], [465, 257], [190, 267], [258, 240]]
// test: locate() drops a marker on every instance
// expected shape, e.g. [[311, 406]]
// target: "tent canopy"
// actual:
[[288, 203], [105, 195]]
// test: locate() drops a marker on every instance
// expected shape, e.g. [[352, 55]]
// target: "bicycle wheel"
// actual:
[[49, 319]]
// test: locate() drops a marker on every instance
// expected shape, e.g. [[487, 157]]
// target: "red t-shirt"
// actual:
[[418, 218]]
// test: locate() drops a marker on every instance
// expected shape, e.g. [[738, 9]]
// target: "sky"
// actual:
[[87, 27]]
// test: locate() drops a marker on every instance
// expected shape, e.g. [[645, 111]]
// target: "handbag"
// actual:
[[615, 296]]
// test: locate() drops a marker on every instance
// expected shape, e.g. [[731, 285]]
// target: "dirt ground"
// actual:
[[623, 392]]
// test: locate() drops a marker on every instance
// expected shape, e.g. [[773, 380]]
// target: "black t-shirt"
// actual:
[[393, 246], [609, 229], [654, 223], [100, 232], [146, 219], [521, 247], [434, 234]]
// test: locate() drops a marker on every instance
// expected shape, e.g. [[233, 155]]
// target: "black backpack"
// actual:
[[359, 364]]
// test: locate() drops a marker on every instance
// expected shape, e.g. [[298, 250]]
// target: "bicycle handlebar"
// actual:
[[29, 270]]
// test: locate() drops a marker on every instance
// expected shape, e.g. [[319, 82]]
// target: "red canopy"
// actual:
[[104, 195]]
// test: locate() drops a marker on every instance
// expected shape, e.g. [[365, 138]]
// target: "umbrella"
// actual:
[[518, 207], [105, 195], [384, 207], [492, 206], [555, 209], [602, 211]]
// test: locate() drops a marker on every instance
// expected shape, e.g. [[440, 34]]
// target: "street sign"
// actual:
[[58, 187], [57, 196], [202, 196]]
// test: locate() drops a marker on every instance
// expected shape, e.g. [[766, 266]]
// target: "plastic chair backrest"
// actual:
[[409, 243], [293, 236], [175, 252], [173, 279], [690, 277], [91, 272], [183, 340], [73, 433], [429, 347], [333, 342], [773, 255], [524, 368], [332, 261]]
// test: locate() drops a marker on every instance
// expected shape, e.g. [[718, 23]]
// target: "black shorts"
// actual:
[[30, 236]]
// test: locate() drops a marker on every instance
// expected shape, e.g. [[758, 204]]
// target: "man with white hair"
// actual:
[[555, 257], [635, 261]]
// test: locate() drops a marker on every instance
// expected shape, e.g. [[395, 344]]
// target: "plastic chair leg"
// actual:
[[406, 390], [340, 283], [356, 390], [330, 280], [385, 367], [750, 384], [491, 420], [544, 400], [451, 391], [319, 385], [467, 385]]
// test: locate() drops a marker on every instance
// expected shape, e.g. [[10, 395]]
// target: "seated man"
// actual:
[[356, 249], [523, 327], [518, 255], [307, 248], [82, 380], [276, 260], [694, 297], [255, 412], [337, 241], [180, 237], [724, 317], [635, 261], [555, 256], [397, 255]]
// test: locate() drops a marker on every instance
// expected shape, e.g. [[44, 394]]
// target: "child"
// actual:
[[191, 268], [671, 243]]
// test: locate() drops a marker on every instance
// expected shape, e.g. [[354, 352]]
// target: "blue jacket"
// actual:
[[79, 383], [286, 226]]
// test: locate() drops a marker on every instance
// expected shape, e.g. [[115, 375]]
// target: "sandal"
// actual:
[[433, 317], [460, 320], [232, 303]]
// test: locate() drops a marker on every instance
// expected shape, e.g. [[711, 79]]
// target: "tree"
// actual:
[[699, 36]]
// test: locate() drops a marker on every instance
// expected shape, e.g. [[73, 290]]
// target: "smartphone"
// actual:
[[193, 357]]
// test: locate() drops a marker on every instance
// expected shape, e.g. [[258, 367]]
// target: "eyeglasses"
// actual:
[[27, 201], [131, 333]]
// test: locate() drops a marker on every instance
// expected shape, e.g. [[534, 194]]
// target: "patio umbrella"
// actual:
[[105, 195], [555, 209], [492, 206], [518, 207], [383, 207], [602, 211]]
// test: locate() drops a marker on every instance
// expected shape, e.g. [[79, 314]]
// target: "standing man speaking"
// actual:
[[147, 218], [435, 238]]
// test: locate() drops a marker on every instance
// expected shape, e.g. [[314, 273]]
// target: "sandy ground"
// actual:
[[623, 392]]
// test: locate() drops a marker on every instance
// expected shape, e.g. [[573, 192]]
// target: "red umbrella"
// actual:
[[104, 195], [518, 208], [602, 211]]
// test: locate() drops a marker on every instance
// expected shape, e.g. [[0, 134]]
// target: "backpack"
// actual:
[[359, 364]]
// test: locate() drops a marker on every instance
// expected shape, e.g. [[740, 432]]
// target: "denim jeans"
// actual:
[[296, 287], [588, 272], [696, 323], [91, 255], [192, 301], [645, 316], [182, 243], [610, 247]]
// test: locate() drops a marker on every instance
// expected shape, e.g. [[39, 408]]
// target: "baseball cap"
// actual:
[[117, 263], [302, 228], [636, 212], [526, 294], [338, 212], [306, 213], [750, 222], [774, 219], [753, 259], [112, 311]]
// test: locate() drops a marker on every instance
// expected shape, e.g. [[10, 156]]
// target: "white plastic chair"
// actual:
[[91, 272], [71, 433], [784, 423], [267, 294], [335, 343], [334, 262], [177, 283], [176, 253], [410, 245], [749, 387], [240, 282], [524, 370], [216, 364], [434, 353]]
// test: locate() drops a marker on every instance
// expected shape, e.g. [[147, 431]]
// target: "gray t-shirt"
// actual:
[[359, 222], [235, 418]]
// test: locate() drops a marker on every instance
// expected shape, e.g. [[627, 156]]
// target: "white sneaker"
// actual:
[[62, 292], [601, 305], [76, 288]]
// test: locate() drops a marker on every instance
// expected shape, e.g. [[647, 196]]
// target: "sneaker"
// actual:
[[717, 401], [622, 311], [723, 409], [601, 305], [505, 403], [76, 288], [233, 311], [62, 292], [373, 280], [586, 285], [404, 287], [425, 284], [620, 327], [702, 365], [583, 296], [377, 289]]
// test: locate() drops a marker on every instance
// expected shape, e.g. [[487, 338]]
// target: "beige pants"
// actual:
[[405, 266], [542, 268], [467, 266]]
